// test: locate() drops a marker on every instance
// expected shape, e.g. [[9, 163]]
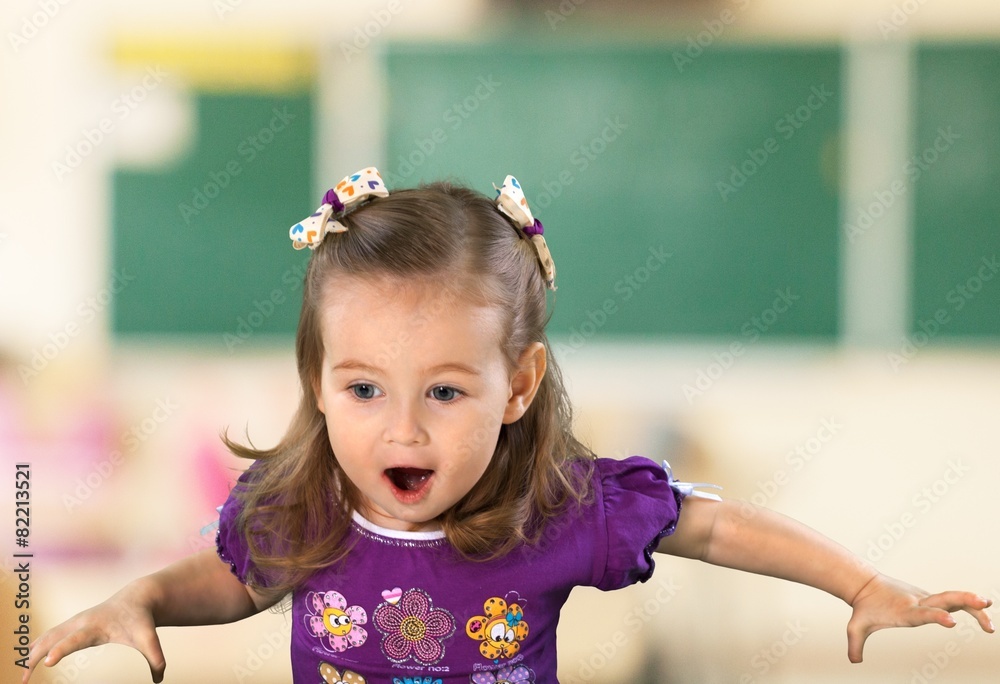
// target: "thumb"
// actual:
[[153, 653], [857, 634]]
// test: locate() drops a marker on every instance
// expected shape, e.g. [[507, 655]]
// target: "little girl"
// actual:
[[429, 509]]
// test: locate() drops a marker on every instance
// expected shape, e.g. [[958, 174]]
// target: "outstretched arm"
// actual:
[[746, 537], [197, 590]]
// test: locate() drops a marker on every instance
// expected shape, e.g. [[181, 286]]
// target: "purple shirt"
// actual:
[[405, 607]]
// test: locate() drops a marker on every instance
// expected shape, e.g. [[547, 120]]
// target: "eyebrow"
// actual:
[[353, 364]]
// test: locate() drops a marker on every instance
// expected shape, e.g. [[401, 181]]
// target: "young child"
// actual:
[[429, 508]]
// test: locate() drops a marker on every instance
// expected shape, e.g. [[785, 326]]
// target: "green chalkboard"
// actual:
[[680, 196], [694, 196], [202, 246], [955, 173]]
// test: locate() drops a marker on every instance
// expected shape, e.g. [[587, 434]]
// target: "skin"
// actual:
[[397, 334], [399, 405]]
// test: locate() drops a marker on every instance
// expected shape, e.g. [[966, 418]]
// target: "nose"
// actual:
[[404, 425]]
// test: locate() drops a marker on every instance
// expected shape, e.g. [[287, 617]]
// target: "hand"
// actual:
[[886, 602], [125, 618]]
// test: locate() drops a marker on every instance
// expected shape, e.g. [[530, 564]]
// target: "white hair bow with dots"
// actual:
[[513, 205], [365, 184]]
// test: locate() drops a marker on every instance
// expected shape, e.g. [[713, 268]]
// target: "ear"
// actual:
[[526, 381]]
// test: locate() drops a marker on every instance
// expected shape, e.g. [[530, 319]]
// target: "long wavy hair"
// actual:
[[297, 505]]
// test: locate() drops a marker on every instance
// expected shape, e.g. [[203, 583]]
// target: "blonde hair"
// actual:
[[297, 506]]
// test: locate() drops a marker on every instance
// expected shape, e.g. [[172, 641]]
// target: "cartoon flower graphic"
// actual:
[[508, 674], [499, 630], [332, 675], [413, 628], [333, 621]]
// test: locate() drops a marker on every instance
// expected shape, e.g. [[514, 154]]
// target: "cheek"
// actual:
[[348, 436], [476, 443]]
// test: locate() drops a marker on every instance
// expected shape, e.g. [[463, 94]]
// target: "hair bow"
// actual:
[[310, 231], [688, 488], [513, 205]]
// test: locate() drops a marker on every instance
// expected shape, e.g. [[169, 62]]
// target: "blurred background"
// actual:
[[775, 224]]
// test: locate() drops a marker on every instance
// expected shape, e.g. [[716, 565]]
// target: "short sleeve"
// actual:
[[230, 544], [639, 508]]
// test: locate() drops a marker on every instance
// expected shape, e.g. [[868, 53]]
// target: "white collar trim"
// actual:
[[428, 535]]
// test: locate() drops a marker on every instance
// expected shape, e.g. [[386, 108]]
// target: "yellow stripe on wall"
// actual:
[[211, 63]]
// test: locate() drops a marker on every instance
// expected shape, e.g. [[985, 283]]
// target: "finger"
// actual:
[[71, 643], [149, 647], [982, 617], [857, 634], [38, 648], [32, 661], [925, 615], [971, 603], [956, 600], [858, 631], [34, 655]]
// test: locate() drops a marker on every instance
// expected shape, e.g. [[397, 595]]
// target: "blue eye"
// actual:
[[364, 391], [443, 393]]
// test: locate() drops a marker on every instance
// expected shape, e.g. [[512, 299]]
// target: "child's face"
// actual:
[[414, 387]]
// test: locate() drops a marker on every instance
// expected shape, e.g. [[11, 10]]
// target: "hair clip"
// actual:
[[364, 184], [512, 204], [688, 488]]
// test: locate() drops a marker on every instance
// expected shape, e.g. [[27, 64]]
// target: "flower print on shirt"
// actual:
[[336, 624], [500, 629], [412, 627], [508, 674], [331, 675]]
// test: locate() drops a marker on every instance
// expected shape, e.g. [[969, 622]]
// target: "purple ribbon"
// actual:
[[535, 228], [331, 198]]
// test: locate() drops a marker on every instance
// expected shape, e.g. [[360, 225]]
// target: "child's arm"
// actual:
[[198, 590], [740, 535]]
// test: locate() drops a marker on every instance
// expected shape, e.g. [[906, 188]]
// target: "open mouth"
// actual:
[[409, 480]]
